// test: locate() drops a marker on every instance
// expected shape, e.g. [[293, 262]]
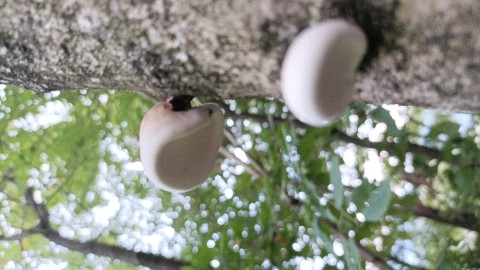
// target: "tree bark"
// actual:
[[421, 52]]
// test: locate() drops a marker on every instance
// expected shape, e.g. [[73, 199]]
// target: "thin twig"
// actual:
[[387, 146], [366, 254], [258, 171], [19, 236], [237, 160], [341, 136], [233, 140]]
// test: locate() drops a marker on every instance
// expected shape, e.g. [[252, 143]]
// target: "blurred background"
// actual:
[[387, 187]]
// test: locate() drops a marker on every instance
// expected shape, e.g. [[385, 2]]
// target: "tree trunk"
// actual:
[[421, 52]]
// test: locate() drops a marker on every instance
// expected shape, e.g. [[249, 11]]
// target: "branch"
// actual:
[[40, 209], [93, 247], [371, 257], [410, 266], [341, 136], [238, 161], [234, 141], [365, 253], [19, 236], [461, 220], [416, 179], [136, 258], [387, 146]]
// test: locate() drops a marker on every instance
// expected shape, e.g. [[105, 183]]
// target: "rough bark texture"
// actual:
[[422, 52]]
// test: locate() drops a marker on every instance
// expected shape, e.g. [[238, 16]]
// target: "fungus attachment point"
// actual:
[[318, 71], [178, 148]]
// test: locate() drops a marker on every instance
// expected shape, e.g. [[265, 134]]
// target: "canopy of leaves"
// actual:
[[393, 187]]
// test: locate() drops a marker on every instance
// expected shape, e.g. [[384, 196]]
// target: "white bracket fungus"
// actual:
[[178, 148], [318, 71]]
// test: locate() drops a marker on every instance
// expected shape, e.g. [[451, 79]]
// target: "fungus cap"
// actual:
[[318, 70], [178, 148]]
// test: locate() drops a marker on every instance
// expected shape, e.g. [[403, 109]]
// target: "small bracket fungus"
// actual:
[[178, 148], [318, 71]]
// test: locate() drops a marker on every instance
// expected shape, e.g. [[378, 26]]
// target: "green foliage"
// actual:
[[376, 204], [352, 256], [444, 127], [382, 115], [336, 181], [306, 206]]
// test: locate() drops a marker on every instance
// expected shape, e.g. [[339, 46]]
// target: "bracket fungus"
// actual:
[[178, 148], [318, 71]]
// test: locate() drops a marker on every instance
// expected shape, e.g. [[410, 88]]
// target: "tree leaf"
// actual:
[[336, 181], [322, 232], [360, 195], [446, 127], [382, 115], [314, 204], [313, 140], [377, 203], [352, 256]]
